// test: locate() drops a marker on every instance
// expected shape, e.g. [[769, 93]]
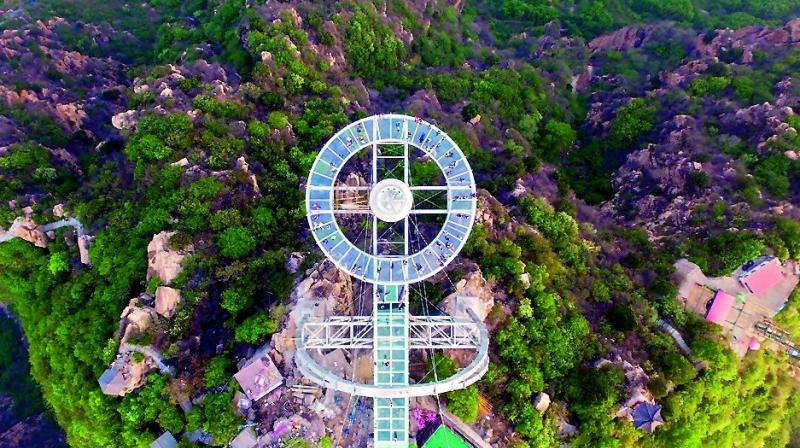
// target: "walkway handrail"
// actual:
[[464, 378]]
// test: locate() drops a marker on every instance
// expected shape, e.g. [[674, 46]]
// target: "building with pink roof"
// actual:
[[720, 307], [259, 377], [761, 276]]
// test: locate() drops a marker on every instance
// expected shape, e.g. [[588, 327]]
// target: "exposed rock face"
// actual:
[[541, 402], [243, 166], [136, 319], [125, 375], [424, 103], [471, 291], [125, 120], [682, 166], [182, 163], [623, 39], [293, 262], [330, 287], [84, 241], [167, 300], [635, 383], [33, 53], [162, 261], [30, 232], [325, 291]]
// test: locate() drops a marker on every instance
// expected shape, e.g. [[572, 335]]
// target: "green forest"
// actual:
[[592, 189]]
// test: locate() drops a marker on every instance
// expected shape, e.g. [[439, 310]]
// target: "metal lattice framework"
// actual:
[[391, 261], [424, 332]]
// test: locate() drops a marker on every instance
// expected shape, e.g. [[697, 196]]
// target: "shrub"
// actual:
[[632, 121], [709, 85], [621, 317], [277, 120], [371, 47], [217, 372], [236, 242], [148, 147], [224, 219], [464, 403], [59, 262], [234, 301], [255, 328]]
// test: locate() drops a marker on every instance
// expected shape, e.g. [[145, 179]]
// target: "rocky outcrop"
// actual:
[[70, 88], [293, 262], [329, 286], [125, 120], [29, 231], [472, 291], [541, 402], [167, 301], [162, 261], [424, 103], [84, 241], [126, 374], [137, 318], [748, 39], [324, 291], [625, 38], [243, 166]]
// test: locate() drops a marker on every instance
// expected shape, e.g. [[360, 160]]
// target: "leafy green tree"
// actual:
[[150, 404], [593, 18], [235, 301], [277, 120], [148, 147], [157, 137], [441, 367], [59, 262], [676, 367], [464, 403], [218, 371], [236, 242], [262, 222], [632, 121], [788, 231], [722, 253], [371, 48], [558, 138], [227, 218], [219, 418], [710, 85], [255, 328]]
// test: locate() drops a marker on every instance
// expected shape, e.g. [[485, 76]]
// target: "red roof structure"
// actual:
[[720, 307], [762, 277]]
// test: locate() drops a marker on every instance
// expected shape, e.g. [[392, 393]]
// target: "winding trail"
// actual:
[[69, 222], [675, 335], [10, 234]]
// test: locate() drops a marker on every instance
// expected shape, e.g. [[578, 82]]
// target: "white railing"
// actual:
[[340, 329]]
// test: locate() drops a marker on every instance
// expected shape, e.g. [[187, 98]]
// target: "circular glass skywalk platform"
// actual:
[[339, 199]]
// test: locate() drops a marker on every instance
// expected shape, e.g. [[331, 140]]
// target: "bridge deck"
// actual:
[[391, 365]]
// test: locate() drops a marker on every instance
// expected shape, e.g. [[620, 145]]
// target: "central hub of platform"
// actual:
[[391, 200]]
